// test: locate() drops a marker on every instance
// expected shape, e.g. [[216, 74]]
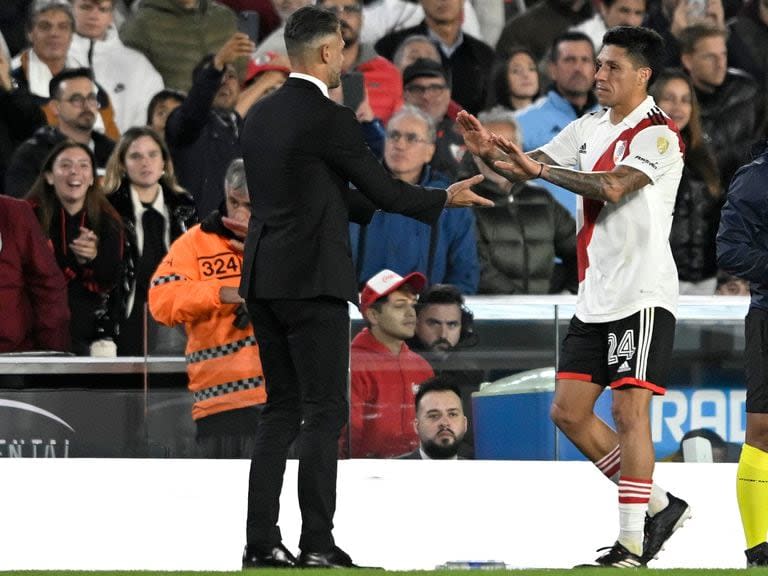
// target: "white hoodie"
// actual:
[[125, 74]]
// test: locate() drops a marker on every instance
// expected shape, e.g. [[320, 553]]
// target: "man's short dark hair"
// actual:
[[643, 45], [449, 294], [441, 383], [67, 74], [306, 25], [571, 36]]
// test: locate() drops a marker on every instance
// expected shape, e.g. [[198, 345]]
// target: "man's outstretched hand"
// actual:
[[459, 194], [477, 138], [518, 165]]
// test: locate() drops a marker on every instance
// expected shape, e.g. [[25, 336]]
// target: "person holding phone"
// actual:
[[363, 67], [670, 17]]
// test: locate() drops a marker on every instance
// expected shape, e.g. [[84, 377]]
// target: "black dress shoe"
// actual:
[[278, 557], [334, 558]]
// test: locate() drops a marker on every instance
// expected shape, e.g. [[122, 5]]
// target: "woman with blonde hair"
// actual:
[[87, 237], [700, 195], [155, 210]]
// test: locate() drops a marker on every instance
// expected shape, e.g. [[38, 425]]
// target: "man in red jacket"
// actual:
[[385, 373], [33, 292]]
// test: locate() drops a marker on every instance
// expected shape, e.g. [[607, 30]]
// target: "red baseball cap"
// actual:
[[263, 64], [386, 282]]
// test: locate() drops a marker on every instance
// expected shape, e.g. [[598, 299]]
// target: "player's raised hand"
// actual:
[[460, 194], [477, 138], [519, 165]]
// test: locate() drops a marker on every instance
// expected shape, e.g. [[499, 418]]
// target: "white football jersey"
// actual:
[[625, 261]]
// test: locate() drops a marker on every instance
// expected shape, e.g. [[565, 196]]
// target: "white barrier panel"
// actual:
[[190, 514]]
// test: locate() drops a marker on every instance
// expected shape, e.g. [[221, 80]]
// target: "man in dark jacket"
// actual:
[[732, 107], [527, 242], [742, 250], [74, 102], [203, 133], [467, 58]]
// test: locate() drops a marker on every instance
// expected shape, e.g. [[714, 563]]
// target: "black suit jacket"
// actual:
[[301, 151]]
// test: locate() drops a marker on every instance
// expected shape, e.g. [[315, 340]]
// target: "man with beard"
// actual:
[[203, 133], [383, 82], [444, 335], [572, 70], [440, 421], [75, 104]]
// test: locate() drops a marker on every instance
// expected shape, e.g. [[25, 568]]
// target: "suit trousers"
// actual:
[[304, 349]]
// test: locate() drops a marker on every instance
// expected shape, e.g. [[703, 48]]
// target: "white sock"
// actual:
[[609, 465], [633, 504]]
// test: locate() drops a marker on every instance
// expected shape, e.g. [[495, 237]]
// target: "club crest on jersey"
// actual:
[[618, 151], [662, 144]]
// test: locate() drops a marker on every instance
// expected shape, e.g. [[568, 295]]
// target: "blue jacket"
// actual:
[[742, 240], [402, 244], [542, 121]]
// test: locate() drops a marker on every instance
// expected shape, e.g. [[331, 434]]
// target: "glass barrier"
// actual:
[[64, 406]]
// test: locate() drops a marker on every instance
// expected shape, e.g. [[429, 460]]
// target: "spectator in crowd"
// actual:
[[670, 17], [700, 195], [20, 116], [748, 41], [50, 26], [155, 210], [261, 80], [415, 47], [611, 13], [732, 106], [515, 81], [126, 75], [176, 34], [440, 421], [466, 58], [203, 133], [427, 86], [32, 286], [383, 81], [537, 27], [385, 372], [444, 336], [444, 252], [742, 249], [75, 104], [87, 238], [730, 285], [521, 239], [572, 70], [275, 43], [383, 17], [160, 107], [196, 284]]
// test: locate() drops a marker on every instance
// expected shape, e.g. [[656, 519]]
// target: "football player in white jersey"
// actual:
[[629, 159]]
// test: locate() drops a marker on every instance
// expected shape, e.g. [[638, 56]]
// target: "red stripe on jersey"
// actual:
[[606, 163]]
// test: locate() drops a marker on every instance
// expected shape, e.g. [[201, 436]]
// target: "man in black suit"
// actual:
[[440, 420], [301, 150]]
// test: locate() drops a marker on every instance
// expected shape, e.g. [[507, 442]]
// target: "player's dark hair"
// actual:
[[645, 47], [306, 25]]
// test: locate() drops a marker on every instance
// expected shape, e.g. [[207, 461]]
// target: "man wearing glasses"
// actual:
[[444, 252], [381, 78], [75, 105], [427, 86]]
